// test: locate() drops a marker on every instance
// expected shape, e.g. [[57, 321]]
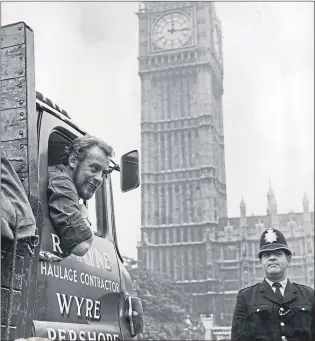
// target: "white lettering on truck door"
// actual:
[[64, 304]]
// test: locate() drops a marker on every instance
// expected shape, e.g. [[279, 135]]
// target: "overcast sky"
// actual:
[[86, 62]]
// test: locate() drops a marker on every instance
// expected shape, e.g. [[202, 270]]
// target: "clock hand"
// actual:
[[182, 29], [172, 24], [178, 29]]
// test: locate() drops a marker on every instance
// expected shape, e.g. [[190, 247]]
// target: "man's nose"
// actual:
[[98, 177]]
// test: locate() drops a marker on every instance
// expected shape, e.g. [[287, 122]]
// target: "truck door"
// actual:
[[77, 297]]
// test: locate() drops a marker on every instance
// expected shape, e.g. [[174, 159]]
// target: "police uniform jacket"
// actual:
[[258, 314]]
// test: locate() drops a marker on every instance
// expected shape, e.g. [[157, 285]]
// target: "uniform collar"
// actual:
[[283, 283], [289, 293]]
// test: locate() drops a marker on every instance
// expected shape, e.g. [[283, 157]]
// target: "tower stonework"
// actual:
[[183, 191], [185, 231]]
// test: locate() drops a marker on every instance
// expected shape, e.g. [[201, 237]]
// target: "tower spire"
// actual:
[[272, 206], [243, 208], [270, 191], [306, 203]]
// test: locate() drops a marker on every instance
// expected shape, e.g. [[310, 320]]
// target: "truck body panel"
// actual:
[[19, 143]]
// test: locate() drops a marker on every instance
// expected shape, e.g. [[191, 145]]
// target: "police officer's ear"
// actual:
[[289, 257], [73, 161]]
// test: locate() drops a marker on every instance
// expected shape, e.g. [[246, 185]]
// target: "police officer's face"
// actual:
[[89, 173], [275, 263]]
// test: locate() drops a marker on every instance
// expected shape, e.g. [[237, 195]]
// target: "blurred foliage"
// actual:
[[165, 305]]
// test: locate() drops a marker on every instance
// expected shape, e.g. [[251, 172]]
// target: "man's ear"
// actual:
[[73, 161], [289, 257]]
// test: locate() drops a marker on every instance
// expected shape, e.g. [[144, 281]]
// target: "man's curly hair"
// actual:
[[80, 146]]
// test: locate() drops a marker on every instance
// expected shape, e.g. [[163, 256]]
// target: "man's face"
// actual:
[[275, 263], [89, 173]]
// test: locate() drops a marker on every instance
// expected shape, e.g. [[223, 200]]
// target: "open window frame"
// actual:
[[58, 139]]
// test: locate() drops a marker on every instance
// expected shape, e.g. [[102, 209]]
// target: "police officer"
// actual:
[[275, 309]]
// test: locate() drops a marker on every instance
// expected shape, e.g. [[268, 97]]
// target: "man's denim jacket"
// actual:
[[64, 210]]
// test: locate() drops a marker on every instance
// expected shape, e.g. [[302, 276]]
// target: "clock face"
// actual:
[[172, 31]]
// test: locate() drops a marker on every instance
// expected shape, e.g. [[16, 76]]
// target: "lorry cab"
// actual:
[[86, 297], [78, 298]]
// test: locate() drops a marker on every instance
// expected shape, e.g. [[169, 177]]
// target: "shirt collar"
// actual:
[[283, 283]]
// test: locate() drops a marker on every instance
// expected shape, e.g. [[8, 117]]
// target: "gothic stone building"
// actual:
[[234, 248], [183, 191]]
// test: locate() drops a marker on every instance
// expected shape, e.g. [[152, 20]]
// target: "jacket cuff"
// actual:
[[72, 237]]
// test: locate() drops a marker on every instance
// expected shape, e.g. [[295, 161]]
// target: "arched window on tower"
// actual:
[[164, 208], [163, 236], [157, 237], [200, 233], [178, 237], [298, 250], [230, 252], [185, 234]]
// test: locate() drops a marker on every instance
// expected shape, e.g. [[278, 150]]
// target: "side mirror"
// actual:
[[129, 171]]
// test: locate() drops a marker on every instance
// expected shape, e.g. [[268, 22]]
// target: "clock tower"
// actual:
[[183, 190]]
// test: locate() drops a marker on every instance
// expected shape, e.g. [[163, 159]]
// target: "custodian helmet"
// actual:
[[272, 239]]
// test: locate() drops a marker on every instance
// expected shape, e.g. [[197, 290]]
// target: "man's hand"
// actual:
[[82, 248]]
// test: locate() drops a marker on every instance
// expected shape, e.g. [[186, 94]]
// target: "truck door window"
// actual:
[[109, 208], [56, 146], [91, 206]]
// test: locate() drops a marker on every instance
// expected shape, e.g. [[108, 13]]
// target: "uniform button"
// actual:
[[283, 338], [258, 309], [303, 308], [282, 324], [281, 309]]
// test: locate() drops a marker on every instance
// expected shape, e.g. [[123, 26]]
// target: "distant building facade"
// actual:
[[235, 244], [230, 260], [183, 186]]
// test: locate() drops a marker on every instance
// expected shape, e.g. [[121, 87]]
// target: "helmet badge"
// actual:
[[271, 236]]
